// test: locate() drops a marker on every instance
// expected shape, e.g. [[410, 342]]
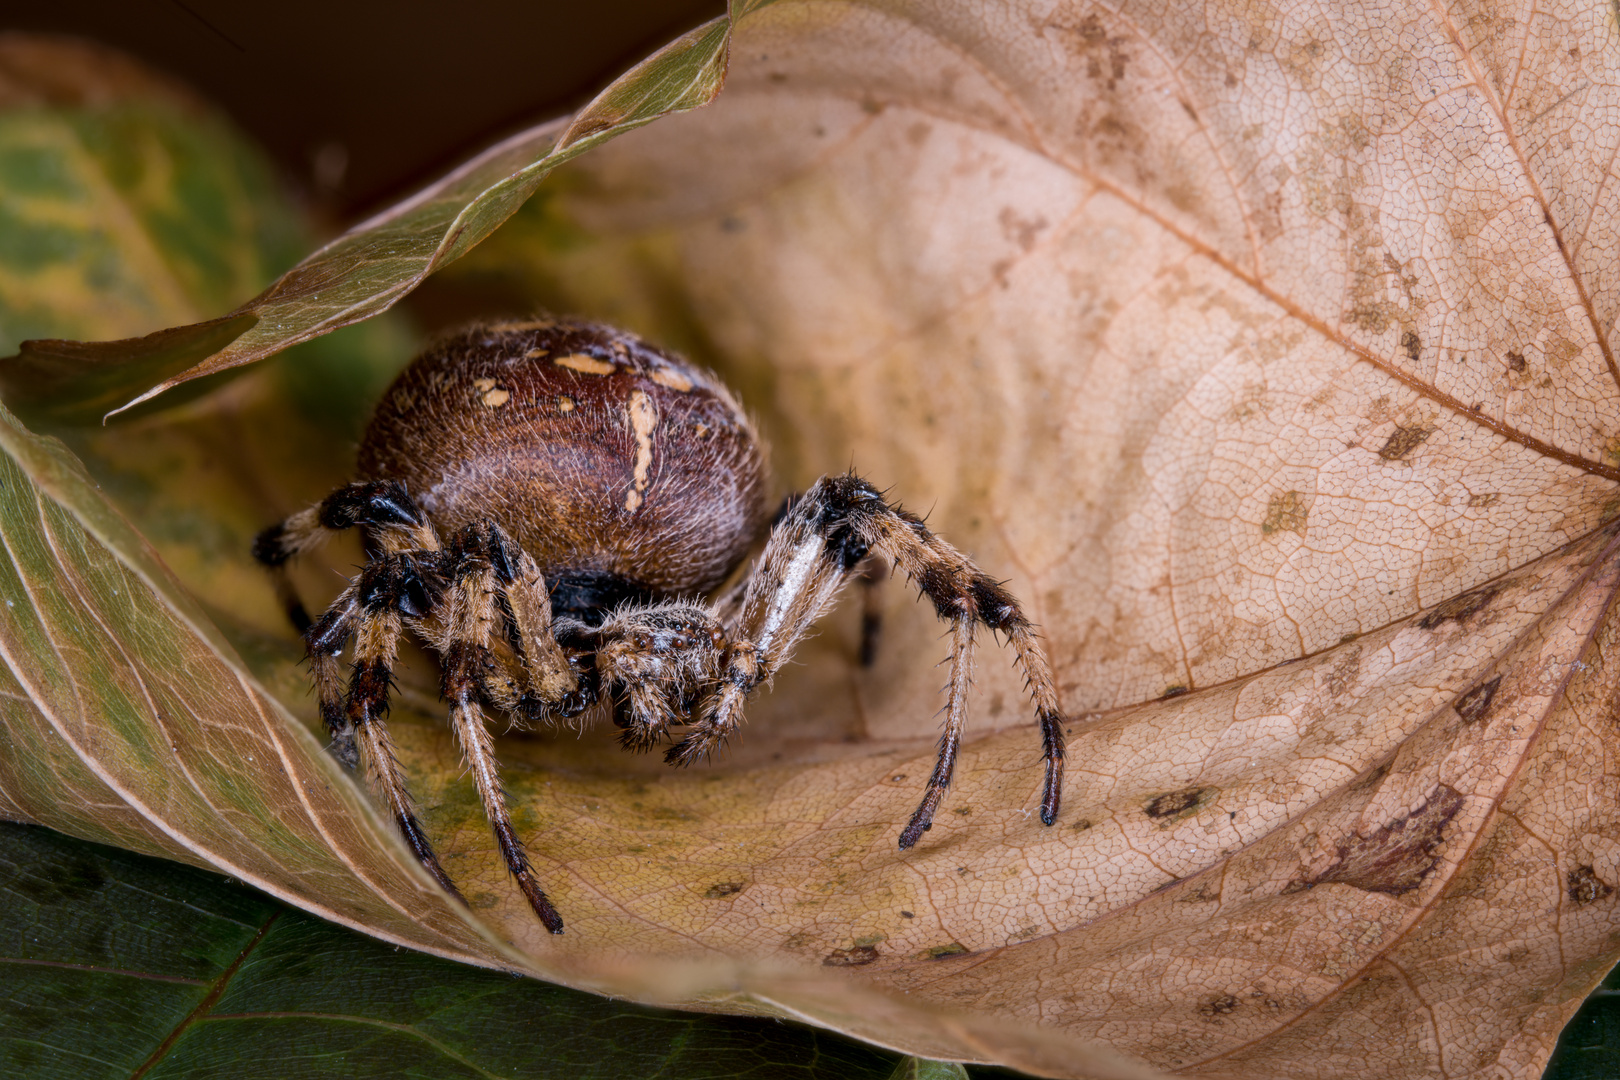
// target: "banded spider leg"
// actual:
[[452, 598], [820, 541]]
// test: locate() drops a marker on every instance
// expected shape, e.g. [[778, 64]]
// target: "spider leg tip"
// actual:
[[912, 833]]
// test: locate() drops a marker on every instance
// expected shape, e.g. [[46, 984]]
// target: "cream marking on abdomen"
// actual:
[[643, 419], [585, 365]]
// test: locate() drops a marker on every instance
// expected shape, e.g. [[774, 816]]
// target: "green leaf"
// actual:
[[1589, 1046], [915, 1068], [117, 966], [368, 269]]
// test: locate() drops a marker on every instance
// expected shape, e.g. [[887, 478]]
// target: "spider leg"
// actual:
[[960, 591], [324, 641], [950, 741], [388, 589], [467, 659], [381, 506], [649, 717], [552, 687], [533, 678], [797, 578], [817, 544]]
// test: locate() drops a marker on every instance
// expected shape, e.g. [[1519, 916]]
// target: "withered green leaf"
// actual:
[[369, 268]]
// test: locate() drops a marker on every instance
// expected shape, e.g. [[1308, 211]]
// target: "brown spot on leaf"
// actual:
[[721, 889], [1559, 351], [1395, 858], [944, 952], [1021, 230], [1174, 691], [1473, 705], [1219, 1005], [1458, 608], [1287, 512], [851, 957], [1176, 805], [1202, 893], [1403, 441], [588, 126], [1412, 344], [1585, 886], [1515, 361]]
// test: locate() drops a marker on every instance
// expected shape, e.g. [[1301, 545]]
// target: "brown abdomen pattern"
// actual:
[[593, 449]]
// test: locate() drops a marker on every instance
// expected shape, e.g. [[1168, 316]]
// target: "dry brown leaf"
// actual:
[[1267, 353], [1231, 338]]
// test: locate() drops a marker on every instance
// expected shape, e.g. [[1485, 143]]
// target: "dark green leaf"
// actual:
[[1589, 1047], [117, 965]]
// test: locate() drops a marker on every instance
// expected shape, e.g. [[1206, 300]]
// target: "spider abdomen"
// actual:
[[618, 467]]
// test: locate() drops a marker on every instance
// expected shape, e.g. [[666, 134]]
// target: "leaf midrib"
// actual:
[[1254, 280], [215, 990]]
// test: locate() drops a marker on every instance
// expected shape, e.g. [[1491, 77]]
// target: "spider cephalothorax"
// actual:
[[545, 504]]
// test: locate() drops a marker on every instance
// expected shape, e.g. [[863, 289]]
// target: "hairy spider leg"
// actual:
[[552, 687], [382, 506], [395, 523], [467, 659], [390, 589], [960, 591], [873, 571], [950, 741], [324, 642], [815, 547], [404, 583], [797, 578]]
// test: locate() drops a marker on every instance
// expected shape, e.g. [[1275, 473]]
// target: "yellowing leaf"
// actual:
[[367, 270]]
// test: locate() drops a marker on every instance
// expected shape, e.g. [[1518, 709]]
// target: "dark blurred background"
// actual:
[[361, 102]]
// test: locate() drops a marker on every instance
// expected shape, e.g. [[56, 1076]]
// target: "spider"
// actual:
[[545, 504]]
